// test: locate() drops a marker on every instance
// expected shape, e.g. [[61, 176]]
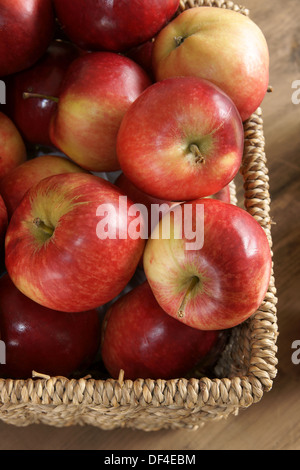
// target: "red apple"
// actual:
[[12, 147], [223, 194], [69, 244], [16, 183], [43, 340], [181, 139], [140, 338], [3, 220], [97, 91], [219, 45], [213, 270], [110, 25], [32, 114], [27, 27], [142, 55]]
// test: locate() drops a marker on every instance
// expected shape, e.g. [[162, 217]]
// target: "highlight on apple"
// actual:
[[178, 222]]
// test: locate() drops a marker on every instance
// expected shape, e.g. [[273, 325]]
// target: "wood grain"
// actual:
[[274, 422]]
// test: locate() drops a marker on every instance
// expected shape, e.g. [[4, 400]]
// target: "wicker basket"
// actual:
[[245, 370]]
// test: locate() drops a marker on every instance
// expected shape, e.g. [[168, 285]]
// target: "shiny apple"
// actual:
[[181, 139], [27, 28], [29, 111], [97, 91], [44, 340], [140, 338], [114, 26], [17, 182], [58, 249], [213, 270]]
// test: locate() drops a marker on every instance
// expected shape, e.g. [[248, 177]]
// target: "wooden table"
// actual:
[[274, 422]]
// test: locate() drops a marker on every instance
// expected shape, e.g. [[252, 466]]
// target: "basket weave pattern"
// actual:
[[245, 370]]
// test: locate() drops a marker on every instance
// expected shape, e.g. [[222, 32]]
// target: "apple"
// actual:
[[213, 270], [3, 220], [223, 194], [142, 55], [18, 181], [97, 91], [181, 139], [219, 45], [155, 208], [69, 244], [110, 25], [44, 340], [30, 112], [140, 338], [27, 27], [12, 147]]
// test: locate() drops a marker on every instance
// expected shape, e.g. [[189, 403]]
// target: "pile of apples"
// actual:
[[113, 107]]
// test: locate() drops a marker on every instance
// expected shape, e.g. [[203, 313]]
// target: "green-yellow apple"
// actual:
[[220, 45], [69, 244], [211, 269], [17, 182], [181, 139], [97, 91], [140, 338], [12, 147]]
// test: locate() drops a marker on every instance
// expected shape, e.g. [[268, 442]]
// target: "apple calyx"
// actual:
[[28, 94], [194, 281], [179, 40], [46, 230], [198, 156]]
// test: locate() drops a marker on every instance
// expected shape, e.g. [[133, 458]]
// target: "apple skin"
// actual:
[[27, 28], [97, 91], [157, 207], [18, 181], [218, 285], [142, 55], [159, 130], [241, 70], [32, 115], [223, 194], [12, 146], [113, 26], [140, 338], [54, 253], [44, 340]]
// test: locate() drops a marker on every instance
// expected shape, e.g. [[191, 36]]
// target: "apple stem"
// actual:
[[27, 95], [197, 154], [40, 224], [194, 281]]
